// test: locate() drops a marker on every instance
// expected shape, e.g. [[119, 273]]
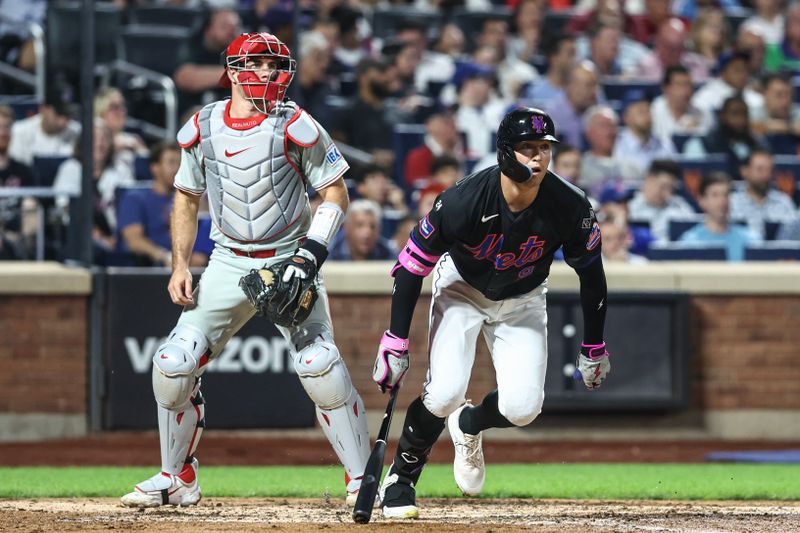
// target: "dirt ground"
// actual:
[[225, 514]]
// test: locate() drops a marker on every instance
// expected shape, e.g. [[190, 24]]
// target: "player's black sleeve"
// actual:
[[407, 287], [593, 300]]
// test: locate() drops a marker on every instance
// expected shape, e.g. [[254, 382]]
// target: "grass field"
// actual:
[[578, 481]]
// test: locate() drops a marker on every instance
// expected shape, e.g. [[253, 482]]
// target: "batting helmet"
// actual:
[[521, 124], [263, 93]]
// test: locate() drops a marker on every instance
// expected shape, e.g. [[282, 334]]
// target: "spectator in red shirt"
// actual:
[[442, 138]]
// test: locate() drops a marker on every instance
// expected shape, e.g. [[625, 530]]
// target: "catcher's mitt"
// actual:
[[285, 303]]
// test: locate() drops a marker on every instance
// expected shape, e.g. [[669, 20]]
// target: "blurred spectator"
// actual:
[[599, 169], [731, 136], [688, 8], [767, 21], [636, 142], [734, 77], [785, 55], [13, 174], [629, 52], [759, 202], [609, 12], [200, 68], [273, 16], [715, 190], [789, 230], [404, 59], [353, 31], [403, 231], [567, 108], [617, 242], [669, 50], [441, 138], [654, 14], [446, 170], [567, 163], [49, 133], [711, 35], [374, 183], [16, 44], [144, 214], [363, 123], [479, 108], [560, 53], [779, 114], [108, 175], [361, 239], [656, 202], [109, 105], [439, 64], [512, 72], [427, 197], [526, 31], [311, 87], [604, 42], [753, 45], [672, 111]]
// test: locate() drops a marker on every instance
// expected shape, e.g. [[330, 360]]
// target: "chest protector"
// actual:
[[254, 191]]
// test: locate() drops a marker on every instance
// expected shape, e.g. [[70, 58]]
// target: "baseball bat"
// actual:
[[362, 512]]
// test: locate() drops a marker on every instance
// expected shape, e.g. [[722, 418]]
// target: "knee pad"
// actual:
[[442, 400], [177, 364], [520, 410], [323, 374]]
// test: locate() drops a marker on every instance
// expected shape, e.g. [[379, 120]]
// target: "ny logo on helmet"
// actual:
[[537, 121]]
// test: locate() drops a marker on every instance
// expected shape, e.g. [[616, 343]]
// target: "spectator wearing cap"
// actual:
[[441, 139], [363, 123], [560, 53], [478, 107], [672, 111], [512, 72], [759, 202], [779, 115], [734, 77], [199, 58], [599, 169], [374, 183], [731, 136], [669, 50], [767, 21], [49, 133], [785, 55], [361, 238], [636, 142], [567, 109], [656, 202], [311, 87], [715, 191]]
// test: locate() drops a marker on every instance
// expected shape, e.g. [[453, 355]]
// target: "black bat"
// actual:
[[362, 512]]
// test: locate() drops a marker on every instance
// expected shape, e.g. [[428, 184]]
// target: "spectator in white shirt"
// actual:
[[636, 142], [439, 64], [734, 77], [767, 21], [479, 108], [512, 72], [656, 202], [672, 111], [50, 133], [758, 202]]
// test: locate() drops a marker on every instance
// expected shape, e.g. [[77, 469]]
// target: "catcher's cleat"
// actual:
[[353, 487], [469, 469], [398, 498], [167, 489]]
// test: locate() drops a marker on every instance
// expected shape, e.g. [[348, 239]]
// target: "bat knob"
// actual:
[[360, 517]]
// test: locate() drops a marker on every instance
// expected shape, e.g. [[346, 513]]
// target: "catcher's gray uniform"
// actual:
[[255, 172]]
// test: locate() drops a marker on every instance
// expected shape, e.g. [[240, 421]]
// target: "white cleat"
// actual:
[[469, 469], [398, 499], [166, 489], [353, 487]]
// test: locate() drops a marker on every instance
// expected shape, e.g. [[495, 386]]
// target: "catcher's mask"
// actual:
[[521, 124], [240, 57]]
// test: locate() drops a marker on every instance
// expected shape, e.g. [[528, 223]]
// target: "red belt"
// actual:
[[258, 254]]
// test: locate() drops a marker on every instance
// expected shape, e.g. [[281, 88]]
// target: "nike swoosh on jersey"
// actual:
[[485, 218], [231, 154]]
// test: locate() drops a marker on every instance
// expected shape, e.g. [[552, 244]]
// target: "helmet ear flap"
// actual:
[[509, 164]]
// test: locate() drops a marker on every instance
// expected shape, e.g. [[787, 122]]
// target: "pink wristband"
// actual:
[[600, 348], [394, 343]]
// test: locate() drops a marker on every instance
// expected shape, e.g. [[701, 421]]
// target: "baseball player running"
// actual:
[[254, 155], [490, 239]]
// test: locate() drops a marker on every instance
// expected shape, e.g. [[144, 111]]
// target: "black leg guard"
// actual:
[[421, 429], [486, 415]]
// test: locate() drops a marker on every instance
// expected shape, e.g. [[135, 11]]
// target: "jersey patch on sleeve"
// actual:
[[594, 237], [332, 154], [425, 227]]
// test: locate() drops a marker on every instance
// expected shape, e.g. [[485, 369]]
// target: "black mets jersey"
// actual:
[[502, 253]]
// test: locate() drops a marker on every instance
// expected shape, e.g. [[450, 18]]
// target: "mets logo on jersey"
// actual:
[[537, 121], [332, 155], [425, 227], [594, 237]]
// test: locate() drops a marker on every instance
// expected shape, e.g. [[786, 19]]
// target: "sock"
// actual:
[[421, 429], [473, 420]]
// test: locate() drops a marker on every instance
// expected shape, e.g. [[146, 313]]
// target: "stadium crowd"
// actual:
[[677, 118]]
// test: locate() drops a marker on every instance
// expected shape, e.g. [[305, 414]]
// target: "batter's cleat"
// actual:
[[167, 489], [469, 469], [353, 487], [398, 498]]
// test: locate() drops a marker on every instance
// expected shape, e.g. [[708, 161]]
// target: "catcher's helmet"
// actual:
[[521, 124], [265, 45]]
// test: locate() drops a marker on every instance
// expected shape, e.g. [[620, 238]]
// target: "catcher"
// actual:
[[254, 155]]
